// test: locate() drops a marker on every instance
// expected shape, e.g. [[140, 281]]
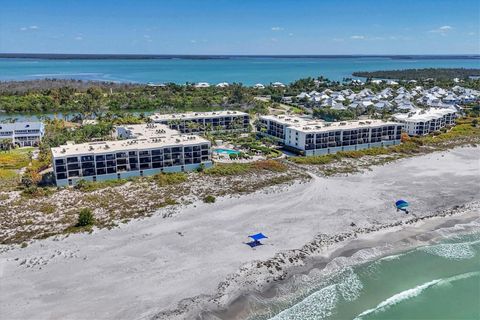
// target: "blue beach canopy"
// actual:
[[258, 236], [401, 204]]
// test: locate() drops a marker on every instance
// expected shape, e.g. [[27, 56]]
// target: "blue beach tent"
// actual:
[[402, 205], [258, 236], [256, 239]]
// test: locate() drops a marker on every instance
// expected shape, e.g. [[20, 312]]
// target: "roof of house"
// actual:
[[419, 115], [146, 136], [316, 125], [195, 115]]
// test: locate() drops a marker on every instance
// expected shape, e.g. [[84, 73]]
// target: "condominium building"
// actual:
[[141, 150], [424, 121], [315, 137], [216, 121], [22, 134]]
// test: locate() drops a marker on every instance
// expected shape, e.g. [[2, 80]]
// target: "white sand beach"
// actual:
[[147, 267]]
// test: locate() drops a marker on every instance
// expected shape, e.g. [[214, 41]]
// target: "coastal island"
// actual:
[[152, 190], [421, 74]]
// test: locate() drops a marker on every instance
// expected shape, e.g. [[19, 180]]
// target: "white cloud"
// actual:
[[338, 39], [146, 36], [29, 28], [274, 40], [78, 38], [471, 33], [277, 29], [443, 30], [193, 41], [290, 34], [357, 37]]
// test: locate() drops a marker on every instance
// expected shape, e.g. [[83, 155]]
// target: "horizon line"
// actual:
[[151, 55]]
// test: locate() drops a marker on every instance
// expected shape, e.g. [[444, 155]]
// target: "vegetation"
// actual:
[[15, 158], [89, 186], [166, 179], [209, 199], [85, 218], [421, 74], [92, 98], [10, 162], [231, 169], [334, 115]]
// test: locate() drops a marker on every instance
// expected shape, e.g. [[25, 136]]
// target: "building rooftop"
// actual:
[[316, 125], [144, 136], [27, 125], [195, 115], [423, 114]]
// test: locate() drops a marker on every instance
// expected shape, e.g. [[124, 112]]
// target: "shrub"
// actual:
[[270, 165], [165, 179], [209, 199], [228, 169], [85, 218]]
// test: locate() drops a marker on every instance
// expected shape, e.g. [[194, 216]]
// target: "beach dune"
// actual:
[[147, 267]]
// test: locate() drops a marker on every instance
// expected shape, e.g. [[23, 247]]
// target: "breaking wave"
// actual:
[[413, 292], [320, 304]]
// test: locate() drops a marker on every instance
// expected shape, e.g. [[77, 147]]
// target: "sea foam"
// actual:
[[453, 251], [320, 304]]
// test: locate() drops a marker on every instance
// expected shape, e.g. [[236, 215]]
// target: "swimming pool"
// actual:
[[225, 151]]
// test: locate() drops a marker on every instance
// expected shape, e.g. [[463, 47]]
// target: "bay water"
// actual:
[[246, 70]]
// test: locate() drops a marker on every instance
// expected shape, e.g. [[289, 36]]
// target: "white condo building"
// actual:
[[425, 121], [316, 137], [141, 150], [23, 134], [204, 121]]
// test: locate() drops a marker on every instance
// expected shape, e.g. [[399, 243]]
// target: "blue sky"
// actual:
[[240, 26]]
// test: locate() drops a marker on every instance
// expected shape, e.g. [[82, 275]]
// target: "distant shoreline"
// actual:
[[66, 56]]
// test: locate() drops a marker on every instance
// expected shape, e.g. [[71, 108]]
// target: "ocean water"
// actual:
[[246, 70], [440, 281]]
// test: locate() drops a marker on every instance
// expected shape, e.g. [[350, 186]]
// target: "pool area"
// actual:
[[225, 151]]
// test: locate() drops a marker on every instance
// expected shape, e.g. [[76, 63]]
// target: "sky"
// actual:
[[240, 26]]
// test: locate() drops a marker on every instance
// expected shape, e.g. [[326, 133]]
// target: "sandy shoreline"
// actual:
[[196, 260], [366, 247]]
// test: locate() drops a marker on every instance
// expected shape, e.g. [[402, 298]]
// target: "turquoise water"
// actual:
[[247, 70], [440, 281], [226, 151]]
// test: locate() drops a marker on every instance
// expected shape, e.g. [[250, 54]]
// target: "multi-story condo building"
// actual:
[[315, 137], [142, 150], [23, 134], [424, 121], [193, 122]]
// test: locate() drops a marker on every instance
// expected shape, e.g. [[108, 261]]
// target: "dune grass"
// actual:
[[230, 169], [15, 158]]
